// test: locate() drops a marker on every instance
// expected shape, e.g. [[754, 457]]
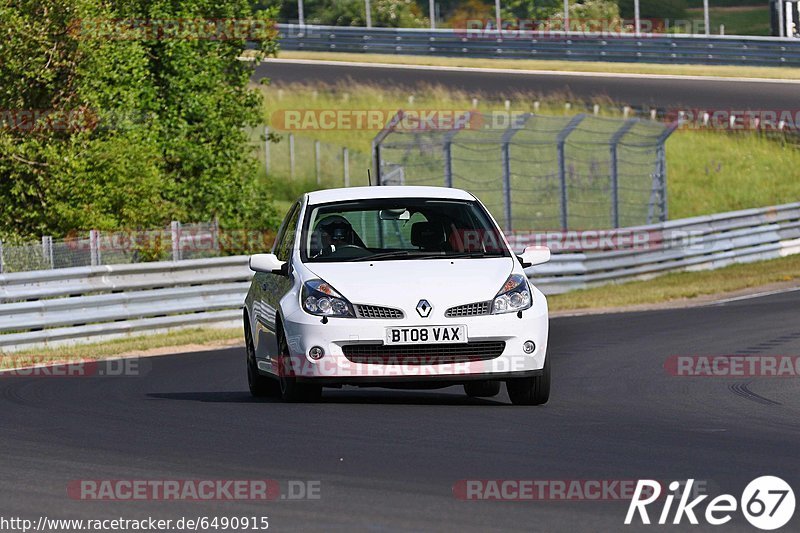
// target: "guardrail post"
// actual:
[[346, 166], [291, 155], [562, 166], [47, 251], [615, 139], [94, 248], [317, 162], [175, 230], [1, 256], [512, 129]]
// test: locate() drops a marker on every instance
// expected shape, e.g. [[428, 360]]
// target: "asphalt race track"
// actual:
[[659, 93], [387, 460]]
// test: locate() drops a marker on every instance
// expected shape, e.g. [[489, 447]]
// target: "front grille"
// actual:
[[376, 311], [423, 354], [476, 309]]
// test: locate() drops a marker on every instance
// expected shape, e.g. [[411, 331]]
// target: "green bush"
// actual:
[[655, 9], [160, 135]]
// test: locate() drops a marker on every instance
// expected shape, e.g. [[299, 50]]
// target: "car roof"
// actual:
[[407, 191]]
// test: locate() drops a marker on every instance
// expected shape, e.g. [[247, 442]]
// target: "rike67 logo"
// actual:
[[767, 502]]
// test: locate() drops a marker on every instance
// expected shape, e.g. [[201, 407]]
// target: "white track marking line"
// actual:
[[555, 73], [755, 295]]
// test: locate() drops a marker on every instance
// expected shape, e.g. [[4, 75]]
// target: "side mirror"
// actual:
[[534, 255], [268, 263]]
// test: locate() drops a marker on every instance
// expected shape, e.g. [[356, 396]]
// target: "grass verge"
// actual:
[[107, 349], [681, 286], [725, 71], [738, 20], [707, 171]]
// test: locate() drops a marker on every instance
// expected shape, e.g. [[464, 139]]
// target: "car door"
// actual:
[[270, 288]]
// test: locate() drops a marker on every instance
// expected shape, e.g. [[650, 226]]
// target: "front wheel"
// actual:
[[260, 386], [530, 391], [291, 390]]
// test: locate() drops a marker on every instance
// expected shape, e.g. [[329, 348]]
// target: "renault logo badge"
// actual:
[[424, 308]]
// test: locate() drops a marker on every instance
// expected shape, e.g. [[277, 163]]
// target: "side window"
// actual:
[[285, 240]]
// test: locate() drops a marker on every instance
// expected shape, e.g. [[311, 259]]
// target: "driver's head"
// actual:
[[335, 229]]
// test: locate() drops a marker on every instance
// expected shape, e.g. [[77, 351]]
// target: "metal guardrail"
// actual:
[[576, 46], [77, 304], [700, 243]]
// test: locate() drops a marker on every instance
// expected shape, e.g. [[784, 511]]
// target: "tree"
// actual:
[[104, 130]]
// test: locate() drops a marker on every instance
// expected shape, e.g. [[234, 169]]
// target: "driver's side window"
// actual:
[[285, 240]]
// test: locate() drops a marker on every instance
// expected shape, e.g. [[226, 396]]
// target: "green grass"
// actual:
[[116, 347], [753, 20], [736, 71], [680, 286], [707, 171]]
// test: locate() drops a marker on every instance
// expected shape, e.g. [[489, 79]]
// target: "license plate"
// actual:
[[426, 335]]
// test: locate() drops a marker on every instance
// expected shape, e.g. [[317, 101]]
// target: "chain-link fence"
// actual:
[[176, 242], [538, 172], [296, 157]]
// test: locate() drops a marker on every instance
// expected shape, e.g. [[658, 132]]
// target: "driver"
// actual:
[[336, 231]]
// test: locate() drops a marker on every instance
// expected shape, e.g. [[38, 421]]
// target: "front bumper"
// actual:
[[305, 331]]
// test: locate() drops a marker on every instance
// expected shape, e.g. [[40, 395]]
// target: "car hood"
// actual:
[[402, 284]]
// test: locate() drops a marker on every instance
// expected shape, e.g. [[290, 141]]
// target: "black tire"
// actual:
[[482, 389], [260, 386], [531, 391], [290, 389]]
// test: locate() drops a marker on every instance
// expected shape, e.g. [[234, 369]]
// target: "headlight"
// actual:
[[321, 299], [514, 296]]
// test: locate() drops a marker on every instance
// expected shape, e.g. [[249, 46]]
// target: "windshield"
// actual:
[[398, 229]]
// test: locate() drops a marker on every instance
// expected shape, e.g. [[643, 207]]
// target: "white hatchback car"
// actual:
[[401, 287]]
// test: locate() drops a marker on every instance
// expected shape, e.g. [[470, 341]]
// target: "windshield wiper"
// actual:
[[467, 255], [392, 254]]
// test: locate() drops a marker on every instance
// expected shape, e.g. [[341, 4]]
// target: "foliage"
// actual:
[[131, 131], [655, 9], [385, 13]]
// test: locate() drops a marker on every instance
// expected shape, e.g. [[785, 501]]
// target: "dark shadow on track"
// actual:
[[386, 397]]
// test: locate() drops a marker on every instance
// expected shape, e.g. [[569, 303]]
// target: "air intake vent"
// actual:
[[376, 311], [476, 309]]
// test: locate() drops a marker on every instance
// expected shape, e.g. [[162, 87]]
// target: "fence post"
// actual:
[[562, 166], [614, 167], [376, 156], [291, 155], [94, 248], [513, 128], [266, 149], [1, 256], [447, 152], [316, 161], [175, 230], [376, 144], [47, 251], [346, 166], [661, 154], [215, 235]]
